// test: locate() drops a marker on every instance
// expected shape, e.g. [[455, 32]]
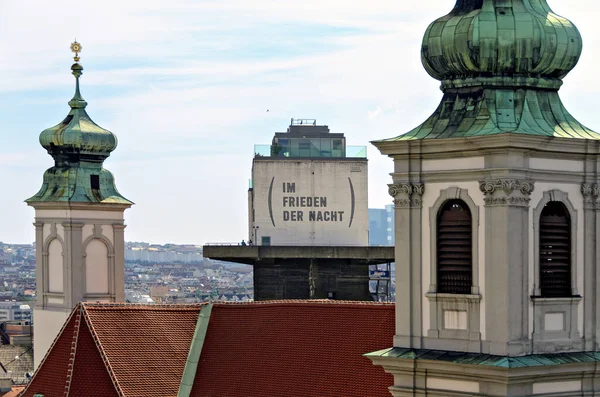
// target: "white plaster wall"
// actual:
[[80, 214], [576, 198], [467, 163], [556, 164], [46, 228], [311, 178], [48, 324], [107, 231], [60, 231], [86, 232], [55, 267], [430, 196], [556, 387], [452, 385], [96, 267]]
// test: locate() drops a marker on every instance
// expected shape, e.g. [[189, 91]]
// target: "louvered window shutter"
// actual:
[[454, 248], [555, 250]]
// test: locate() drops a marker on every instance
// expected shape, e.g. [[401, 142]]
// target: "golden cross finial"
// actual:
[[76, 48]]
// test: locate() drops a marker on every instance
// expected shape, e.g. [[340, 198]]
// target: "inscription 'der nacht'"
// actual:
[[307, 202]]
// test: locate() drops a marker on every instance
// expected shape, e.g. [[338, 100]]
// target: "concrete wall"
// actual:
[[47, 326], [310, 202]]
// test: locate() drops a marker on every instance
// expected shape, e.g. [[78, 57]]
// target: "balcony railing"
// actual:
[[276, 151]]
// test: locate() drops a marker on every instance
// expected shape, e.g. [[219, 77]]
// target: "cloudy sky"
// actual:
[[185, 86]]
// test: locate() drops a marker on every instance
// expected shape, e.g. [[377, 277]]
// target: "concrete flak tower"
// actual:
[[497, 212], [79, 222]]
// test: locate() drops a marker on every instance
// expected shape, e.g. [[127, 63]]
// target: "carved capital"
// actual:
[[591, 195], [506, 192], [407, 195]]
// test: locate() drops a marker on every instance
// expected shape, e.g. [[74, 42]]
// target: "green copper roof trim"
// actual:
[[73, 185], [79, 147], [501, 64], [191, 365], [533, 360]]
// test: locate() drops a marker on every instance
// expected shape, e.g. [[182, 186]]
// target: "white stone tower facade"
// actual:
[[497, 213], [80, 245]]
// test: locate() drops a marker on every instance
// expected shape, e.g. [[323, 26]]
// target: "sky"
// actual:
[[185, 85]]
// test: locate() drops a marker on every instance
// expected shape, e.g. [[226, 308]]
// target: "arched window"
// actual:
[[454, 248], [555, 250]]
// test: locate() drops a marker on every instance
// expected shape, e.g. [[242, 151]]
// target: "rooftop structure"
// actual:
[[308, 226], [305, 139]]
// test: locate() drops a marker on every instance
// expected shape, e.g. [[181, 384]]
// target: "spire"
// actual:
[[79, 147], [501, 64], [77, 70]]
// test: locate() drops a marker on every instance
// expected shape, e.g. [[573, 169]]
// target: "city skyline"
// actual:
[[186, 90]]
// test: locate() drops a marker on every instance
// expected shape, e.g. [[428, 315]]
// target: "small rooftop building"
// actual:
[[308, 229]]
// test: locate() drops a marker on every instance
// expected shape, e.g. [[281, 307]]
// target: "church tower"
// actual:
[[79, 222], [497, 215]]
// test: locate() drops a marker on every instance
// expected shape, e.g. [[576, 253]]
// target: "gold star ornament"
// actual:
[[76, 48]]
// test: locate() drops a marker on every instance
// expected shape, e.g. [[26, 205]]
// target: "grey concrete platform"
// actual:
[[306, 272]]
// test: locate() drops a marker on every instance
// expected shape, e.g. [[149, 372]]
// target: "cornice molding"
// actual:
[[511, 192]]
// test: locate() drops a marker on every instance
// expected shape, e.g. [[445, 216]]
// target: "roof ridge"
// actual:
[[144, 306], [103, 354], [319, 302], [67, 321], [74, 339]]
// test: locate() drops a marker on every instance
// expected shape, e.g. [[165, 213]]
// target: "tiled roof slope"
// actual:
[[284, 348], [145, 346], [294, 349], [119, 350], [52, 381]]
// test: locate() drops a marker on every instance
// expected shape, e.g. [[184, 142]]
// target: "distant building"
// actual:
[[381, 225], [308, 218], [308, 188], [14, 311]]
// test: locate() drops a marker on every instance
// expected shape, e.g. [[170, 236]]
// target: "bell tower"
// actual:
[[79, 221], [497, 214]]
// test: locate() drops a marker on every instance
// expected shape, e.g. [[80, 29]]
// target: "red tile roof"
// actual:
[[278, 348], [295, 349]]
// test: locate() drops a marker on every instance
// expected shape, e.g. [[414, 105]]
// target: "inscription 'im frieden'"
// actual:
[[290, 201]]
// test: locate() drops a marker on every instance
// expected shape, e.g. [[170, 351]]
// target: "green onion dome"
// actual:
[[501, 42], [77, 137], [501, 64], [79, 147]]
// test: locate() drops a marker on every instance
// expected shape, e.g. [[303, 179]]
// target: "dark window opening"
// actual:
[[555, 250], [67, 119], [95, 182], [454, 248]]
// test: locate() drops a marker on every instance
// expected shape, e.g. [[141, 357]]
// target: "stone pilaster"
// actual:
[[408, 205], [74, 282], [119, 262], [506, 263], [39, 264], [591, 293]]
